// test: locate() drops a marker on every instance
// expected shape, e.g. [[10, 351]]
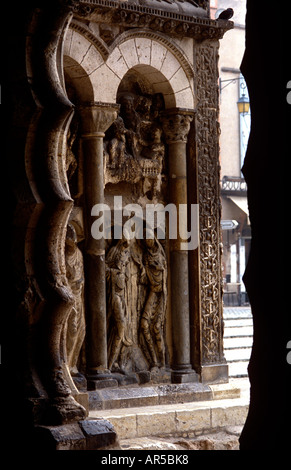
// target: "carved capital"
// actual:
[[97, 118], [176, 125]]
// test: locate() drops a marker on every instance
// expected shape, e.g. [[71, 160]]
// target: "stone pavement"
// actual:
[[214, 424]]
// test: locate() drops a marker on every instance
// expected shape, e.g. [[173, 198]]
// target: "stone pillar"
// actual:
[[205, 265], [96, 119], [176, 125]]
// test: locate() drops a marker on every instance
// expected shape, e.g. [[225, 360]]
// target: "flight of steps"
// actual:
[[238, 339]]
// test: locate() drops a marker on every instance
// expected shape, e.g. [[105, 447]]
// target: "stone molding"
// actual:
[[158, 19]]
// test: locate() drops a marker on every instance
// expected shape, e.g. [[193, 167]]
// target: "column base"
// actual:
[[214, 373], [184, 375]]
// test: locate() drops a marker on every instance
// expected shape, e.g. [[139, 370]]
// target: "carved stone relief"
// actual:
[[136, 275], [76, 320], [133, 147], [207, 129]]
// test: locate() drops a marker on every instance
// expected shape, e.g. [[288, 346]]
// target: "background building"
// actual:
[[235, 128]]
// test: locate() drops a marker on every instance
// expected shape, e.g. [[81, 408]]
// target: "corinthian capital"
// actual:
[[176, 125]]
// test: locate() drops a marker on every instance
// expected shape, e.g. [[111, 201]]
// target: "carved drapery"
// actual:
[[136, 273]]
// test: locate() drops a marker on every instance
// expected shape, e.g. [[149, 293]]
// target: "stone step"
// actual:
[[238, 322], [238, 331], [141, 396], [238, 342], [240, 354], [238, 369], [185, 420]]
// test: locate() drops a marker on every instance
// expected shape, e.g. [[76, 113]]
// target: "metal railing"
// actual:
[[233, 184]]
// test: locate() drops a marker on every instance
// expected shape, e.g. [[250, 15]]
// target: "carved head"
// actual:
[[127, 103]]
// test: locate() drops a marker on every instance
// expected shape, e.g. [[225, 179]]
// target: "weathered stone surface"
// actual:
[[115, 398], [125, 425], [185, 420], [147, 426], [101, 383], [193, 420], [99, 434], [86, 435], [65, 437], [224, 416], [226, 440]]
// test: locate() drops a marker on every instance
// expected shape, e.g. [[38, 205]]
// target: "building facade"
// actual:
[[235, 129]]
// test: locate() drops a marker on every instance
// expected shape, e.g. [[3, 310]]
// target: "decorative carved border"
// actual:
[[136, 16], [100, 45], [207, 129]]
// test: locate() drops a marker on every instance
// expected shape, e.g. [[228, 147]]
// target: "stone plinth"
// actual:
[[127, 397], [95, 434]]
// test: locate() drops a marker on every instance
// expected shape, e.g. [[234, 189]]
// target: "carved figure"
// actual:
[[132, 123], [116, 273], [76, 320], [133, 147], [71, 162], [117, 145], [153, 316]]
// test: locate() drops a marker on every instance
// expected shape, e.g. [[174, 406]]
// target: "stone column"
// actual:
[[176, 125], [96, 119]]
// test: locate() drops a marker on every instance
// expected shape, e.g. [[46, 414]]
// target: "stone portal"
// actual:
[[126, 124]]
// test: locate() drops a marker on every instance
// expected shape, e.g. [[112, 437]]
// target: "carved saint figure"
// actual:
[[132, 123], [117, 145], [76, 321], [117, 276], [153, 316]]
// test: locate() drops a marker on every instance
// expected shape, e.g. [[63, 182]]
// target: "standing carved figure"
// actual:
[[153, 316], [76, 320], [132, 122], [116, 274], [117, 145]]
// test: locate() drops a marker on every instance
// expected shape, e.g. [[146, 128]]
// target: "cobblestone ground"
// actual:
[[223, 440]]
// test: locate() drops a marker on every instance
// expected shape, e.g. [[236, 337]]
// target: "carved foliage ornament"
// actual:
[[178, 17], [207, 128]]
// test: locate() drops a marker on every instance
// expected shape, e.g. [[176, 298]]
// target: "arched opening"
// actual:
[[78, 85], [130, 159], [147, 80]]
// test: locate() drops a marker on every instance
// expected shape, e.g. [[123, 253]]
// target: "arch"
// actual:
[[78, 84], [163, 64]]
